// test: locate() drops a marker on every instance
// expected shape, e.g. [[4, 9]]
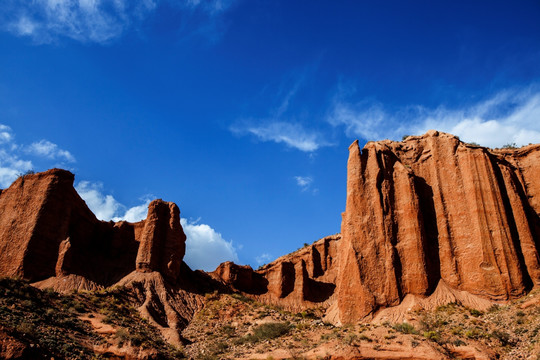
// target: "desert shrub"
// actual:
[[473, 333], [220, 347], [242, 298], [265, 331], [27, 172], [228, 330], [122, 335], [405, 328], [363, 337], [432, 335], [510, 146], [271, 330], [26, 328], [404, 137], [475, 312], [459, 342], [503, 337]]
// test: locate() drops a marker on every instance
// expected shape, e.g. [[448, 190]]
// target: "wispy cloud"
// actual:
[[88, 21], [510, 116], [49, 150], [14, 157], [292, 135], [304, 182], [205, 247], [281, 127], [264, 258]]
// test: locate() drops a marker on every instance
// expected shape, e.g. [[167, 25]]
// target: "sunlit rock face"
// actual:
[[431, 209]]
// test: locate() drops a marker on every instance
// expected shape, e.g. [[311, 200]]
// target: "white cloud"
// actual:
[[49, 150], [11, 163], [135, 213], [510, 116], [205, 247], [264, 258], [5, 134], [105, 207], [291, 134], [304, 182], [87, 21]]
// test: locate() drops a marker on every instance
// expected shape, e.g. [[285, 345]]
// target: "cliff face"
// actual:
[[300, 280], [50, 237], [47, 230], [432, 209]]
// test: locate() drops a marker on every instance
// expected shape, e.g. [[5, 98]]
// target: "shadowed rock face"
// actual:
[[297, 281], [47, 230], [432, 208], [50, 237]]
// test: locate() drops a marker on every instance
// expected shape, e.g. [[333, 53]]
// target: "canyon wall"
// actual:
[[433, 209], [303, 279]]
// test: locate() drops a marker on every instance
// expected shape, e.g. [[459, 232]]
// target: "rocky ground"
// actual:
[[36, 324], [235, 327]]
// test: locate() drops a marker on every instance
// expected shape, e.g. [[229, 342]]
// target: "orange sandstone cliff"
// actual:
[[433, 213]]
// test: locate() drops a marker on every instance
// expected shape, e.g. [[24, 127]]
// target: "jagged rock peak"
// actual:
[[163, 242]]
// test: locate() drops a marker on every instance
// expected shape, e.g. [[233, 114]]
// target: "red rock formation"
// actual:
[[303, 279], [163, 242], [47, 230], [432, 209], [50, 237], [428, 220]]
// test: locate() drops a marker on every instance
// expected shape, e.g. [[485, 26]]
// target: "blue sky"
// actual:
[[241, 111]]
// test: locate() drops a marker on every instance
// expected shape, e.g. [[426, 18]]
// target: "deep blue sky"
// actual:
[[241, 111]]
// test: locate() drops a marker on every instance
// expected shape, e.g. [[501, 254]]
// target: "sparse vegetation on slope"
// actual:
[[61, 326], [236, 327]]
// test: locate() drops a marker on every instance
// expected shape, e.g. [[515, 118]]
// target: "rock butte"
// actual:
[[429, 220]]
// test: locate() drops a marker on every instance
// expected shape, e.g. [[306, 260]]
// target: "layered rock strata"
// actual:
[[433, 209]]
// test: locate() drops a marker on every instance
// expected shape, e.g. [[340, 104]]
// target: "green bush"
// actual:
[[270, 330], [510, 146], [405, 328], [432, 335]]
